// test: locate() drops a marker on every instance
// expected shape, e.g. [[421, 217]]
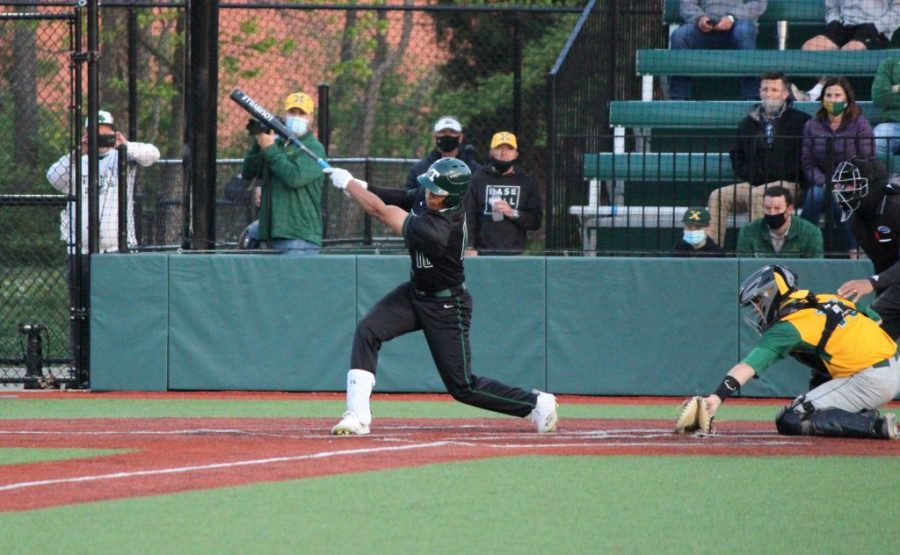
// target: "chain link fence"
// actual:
[[36, 47]]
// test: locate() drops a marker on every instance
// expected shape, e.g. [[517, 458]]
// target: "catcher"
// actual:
[[828, 333]]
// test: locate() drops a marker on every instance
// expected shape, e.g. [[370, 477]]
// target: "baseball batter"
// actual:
[[830, 334], [435, 300]]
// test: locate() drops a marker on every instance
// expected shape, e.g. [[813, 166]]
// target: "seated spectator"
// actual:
[[767, 153], [854, 25], [778, 232], [717, 24], [503, 203], [449, 143], [886, 95], [838, 132], [695, 241]]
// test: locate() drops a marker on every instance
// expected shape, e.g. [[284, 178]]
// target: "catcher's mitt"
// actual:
[[694, 417]]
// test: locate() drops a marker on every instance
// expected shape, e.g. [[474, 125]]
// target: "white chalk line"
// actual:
[[214, 466]]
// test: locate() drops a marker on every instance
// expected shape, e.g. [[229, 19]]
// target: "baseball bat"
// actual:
[[266, 118]]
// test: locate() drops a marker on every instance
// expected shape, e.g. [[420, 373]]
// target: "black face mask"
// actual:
[[775, 221], [501, 165], [447, 143]]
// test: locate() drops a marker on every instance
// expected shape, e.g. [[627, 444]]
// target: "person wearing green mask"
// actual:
[[838, 132]]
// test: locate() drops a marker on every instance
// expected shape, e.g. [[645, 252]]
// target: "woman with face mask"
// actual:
[[838, 132], [290, 213]]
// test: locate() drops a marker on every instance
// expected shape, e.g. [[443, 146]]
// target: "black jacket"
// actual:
[[876, 222], [508, 236], [710, 248], [466, 154], [755, 162]]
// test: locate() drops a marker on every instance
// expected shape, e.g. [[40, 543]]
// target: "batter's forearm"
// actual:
[[390, 216]]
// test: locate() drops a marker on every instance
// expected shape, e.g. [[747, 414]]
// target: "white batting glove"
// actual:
[[340, 178]]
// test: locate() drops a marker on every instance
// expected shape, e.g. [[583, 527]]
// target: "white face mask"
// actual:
[[694, 237], [296, 125], [771, 107]]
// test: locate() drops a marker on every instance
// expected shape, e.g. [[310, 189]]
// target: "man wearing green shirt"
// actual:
[[290, 212], [777, 233]]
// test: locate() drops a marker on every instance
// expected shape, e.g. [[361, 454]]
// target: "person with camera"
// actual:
[[290, 210], [60, 175], [720, 25]]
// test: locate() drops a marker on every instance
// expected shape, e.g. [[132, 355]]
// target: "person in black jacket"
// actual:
[[449, 143], [767, 153], [871, 205], [504, 202], [694, 240]]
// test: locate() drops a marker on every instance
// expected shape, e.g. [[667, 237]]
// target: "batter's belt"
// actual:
[[442, 293]]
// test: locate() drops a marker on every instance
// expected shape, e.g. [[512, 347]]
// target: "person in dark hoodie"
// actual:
[[503, 204], [871, 207], [449, 142], [767, 153]]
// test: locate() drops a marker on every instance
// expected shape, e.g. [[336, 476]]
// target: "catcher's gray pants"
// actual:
[[865, 390]]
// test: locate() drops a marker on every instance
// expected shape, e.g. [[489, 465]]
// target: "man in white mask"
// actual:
[[694, 240], [290, 209], [766, 154]]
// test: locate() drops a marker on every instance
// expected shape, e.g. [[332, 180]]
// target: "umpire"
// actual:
[[872, 208], [431, 220]]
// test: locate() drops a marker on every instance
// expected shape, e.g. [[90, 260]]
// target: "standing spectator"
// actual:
[[886, 95], [449, 143], [504, 202], [290, 212], [717, 24], [767, 153], [838, 132], [778, 232], [695, 241], [871, 207], [62, 179], [854, 25]]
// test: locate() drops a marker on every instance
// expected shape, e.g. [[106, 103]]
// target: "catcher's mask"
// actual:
[[450, 178], [764, 291], [849, 188]]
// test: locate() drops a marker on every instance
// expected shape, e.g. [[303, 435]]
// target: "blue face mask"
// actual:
[[296, 125], [694, 237]]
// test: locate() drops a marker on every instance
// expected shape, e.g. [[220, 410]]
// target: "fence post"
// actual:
[[122, 195]]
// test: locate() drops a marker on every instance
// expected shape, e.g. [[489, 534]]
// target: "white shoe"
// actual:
[[890, 426], [815, 92], [350, 426], [544, 413]]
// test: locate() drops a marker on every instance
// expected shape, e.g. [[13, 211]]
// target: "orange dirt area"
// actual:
[[169, 455]]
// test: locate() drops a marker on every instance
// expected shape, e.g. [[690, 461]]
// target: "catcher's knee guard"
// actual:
[[790, 422]]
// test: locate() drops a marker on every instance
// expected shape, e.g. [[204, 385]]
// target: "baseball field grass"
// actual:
[[237, 473]]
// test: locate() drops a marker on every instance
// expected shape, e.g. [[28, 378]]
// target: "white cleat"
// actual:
[[890, 426], [350, 426], [544, 414]]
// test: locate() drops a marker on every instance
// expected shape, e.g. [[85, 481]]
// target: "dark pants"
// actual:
[[887, 305], [742, 36], [445, 322]]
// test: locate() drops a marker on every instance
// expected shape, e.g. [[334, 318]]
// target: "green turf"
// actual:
[[96, 407], [516, 505], [19, 455]]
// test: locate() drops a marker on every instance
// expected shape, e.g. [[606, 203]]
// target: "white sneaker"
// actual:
[[890, 426], [815, 92], [544, 413], [350, 426]]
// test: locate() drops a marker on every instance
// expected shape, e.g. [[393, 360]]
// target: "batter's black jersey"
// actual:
[[436, 240]]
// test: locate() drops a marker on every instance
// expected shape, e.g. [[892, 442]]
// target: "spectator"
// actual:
[[61, 177], [838, 132], [504, 202], [886, 95], [854, 25], [718, 24], [696, 240], [767, 153], [290, 212], [449, 143], [778, 232]]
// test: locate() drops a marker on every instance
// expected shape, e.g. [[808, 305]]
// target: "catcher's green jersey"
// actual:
[[857, 342]]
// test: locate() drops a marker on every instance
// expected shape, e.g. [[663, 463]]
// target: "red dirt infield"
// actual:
[[169, 455]]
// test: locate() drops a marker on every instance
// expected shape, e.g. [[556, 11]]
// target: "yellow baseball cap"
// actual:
[[504, 138], [299, 100]]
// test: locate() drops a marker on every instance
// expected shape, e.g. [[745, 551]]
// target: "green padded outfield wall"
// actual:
[[612, 326]]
